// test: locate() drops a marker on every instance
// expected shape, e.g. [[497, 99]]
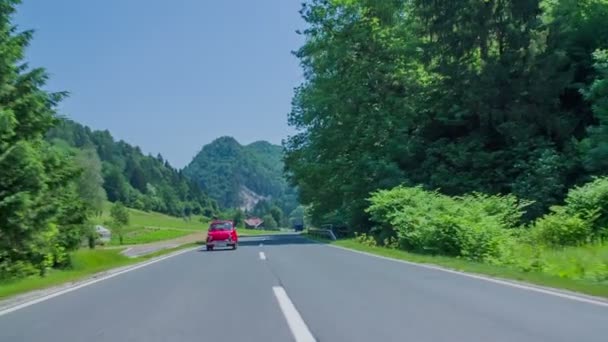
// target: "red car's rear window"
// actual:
[[221, 226]]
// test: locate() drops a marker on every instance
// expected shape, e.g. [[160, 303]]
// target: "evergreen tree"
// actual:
[[36, 194]]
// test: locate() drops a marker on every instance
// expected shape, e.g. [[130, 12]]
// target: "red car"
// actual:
[[222, 234]]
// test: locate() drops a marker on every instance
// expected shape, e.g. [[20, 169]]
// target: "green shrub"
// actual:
[[590, 202], [15, 270], [269, 222], [475, 226], [560, 228], [366, 240]]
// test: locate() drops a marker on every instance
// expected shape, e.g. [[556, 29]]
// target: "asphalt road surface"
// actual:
[[287, 288]]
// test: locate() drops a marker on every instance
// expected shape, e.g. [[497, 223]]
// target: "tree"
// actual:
[[120, 219], [277, 214], [33, 177], [595, 147], [90, 182], [261, 208], [115, 184], [269, 222], [139, 181], [238, 218], [460, 96]]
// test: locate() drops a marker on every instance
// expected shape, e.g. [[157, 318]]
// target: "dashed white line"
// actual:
[[298, 327], [262, 256]]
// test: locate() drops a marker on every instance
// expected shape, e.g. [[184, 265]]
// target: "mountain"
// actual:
[[140, 181], [238, 176]]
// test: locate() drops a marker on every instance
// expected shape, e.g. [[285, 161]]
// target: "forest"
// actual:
[[127, 175], [473, 131], [496, 96], [227, 170]]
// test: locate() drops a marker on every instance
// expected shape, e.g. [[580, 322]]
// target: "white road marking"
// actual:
[[578, 298], [262, 256], [91, 282], [298, 328]]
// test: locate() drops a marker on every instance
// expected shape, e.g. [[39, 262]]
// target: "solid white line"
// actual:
[[488, 279], [294, 320], [574, 297], [91, 282], [262, 256]]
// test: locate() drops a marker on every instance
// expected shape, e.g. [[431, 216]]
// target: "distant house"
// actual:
[[253, 222]]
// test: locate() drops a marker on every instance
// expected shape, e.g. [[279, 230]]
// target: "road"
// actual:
[[290, 286]]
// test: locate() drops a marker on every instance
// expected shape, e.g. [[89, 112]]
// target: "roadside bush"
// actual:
[[269, 222], [561, 228], [476, 226], [365, 239], [590, 202], [15, 270]]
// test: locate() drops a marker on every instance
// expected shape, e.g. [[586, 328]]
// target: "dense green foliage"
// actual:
[[120, 219], [229, 172], [473, 226], [238, 218], [269, 222], [90, 183], [488, 229], [583, 218], [140, 181], [498, 96], [41, 214], [595, 146], [277, 215]]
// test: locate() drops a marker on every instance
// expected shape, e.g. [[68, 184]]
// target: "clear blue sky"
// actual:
[[171, 76]]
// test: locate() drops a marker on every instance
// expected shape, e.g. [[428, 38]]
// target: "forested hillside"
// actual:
[[141, 182], [241, 176], [496, 96]]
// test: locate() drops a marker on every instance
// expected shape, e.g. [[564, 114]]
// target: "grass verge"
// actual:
[[147, 227], [85, 262], [581, 286], [148, 235]]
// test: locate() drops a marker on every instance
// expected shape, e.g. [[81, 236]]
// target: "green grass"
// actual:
[[140, 218], [578, 285], [148, 235], [85, 262], [147, 227]]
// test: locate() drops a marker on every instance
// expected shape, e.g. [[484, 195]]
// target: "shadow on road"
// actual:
[[271, 240], [276, 240]]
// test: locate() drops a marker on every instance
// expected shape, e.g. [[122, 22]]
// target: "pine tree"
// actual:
[[36, 182]]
